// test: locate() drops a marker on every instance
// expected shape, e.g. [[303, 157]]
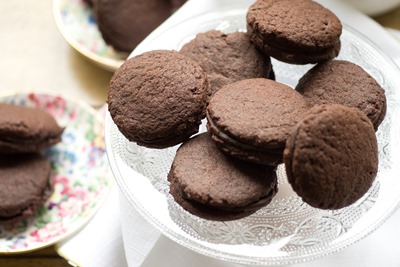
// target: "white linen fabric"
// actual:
[[99, 243]]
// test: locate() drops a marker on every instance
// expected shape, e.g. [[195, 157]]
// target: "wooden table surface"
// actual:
[[48, 257]]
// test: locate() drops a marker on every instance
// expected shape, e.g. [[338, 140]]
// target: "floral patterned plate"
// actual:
[[76, 23], [80, 174]]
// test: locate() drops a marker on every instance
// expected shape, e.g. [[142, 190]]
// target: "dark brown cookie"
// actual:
[[331, 157], [343, 82], [158, 99], [125, 23], [251, 119], [227, 57], [24, 186], [212, 185], [25, 129], [297, 32]]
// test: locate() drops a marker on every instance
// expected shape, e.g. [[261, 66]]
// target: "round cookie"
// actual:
[[343, 82], [208, 183], [158, 99], [331, 157], [123, 24], [24, 186], [251, 119], [227, 57], [26, 129], [297, 32]]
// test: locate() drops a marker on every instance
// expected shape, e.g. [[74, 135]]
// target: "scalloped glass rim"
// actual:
[[111, 60], [151, 202], [93, 189]]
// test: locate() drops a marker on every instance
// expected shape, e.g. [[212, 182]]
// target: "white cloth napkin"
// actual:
[[124, 238], [99, 243]]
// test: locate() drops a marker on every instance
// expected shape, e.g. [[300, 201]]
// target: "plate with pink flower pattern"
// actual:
[[77, 24], [80, 174]]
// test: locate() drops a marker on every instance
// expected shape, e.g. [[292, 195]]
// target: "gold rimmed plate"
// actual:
[[75, 20]]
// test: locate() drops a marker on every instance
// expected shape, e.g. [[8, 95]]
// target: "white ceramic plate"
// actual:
[[80, 173], [76, 23], [287, 231]]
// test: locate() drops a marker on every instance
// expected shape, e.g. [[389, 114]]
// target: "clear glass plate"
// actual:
[[287, 230]]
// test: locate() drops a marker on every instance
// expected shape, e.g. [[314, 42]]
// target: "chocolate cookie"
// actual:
[[227, 57], [25, 129], [212, 185], [331, 157], [251, 119], [158, 99], [343, 82], [24, 186], [123, 24], [297, 32]]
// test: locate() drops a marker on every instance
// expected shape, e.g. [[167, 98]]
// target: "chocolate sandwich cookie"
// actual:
[[227, 57], [123, 24], [24, 186], [210, 184], [343, 82], [158, 99], [331, 157], [251, 119], [26, 129], [297, 32]]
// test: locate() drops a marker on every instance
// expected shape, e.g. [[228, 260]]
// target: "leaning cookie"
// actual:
[[158, 99], [343, 82], [331, 157], [208, 183], [227, 57], [251, 119], [25, 129], [24, 186], [297, 32]]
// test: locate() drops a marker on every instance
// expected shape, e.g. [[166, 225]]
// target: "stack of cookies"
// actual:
[[25, 182], [323, 130]]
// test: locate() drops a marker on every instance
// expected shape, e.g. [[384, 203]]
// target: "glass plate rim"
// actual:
[[203, 249]]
